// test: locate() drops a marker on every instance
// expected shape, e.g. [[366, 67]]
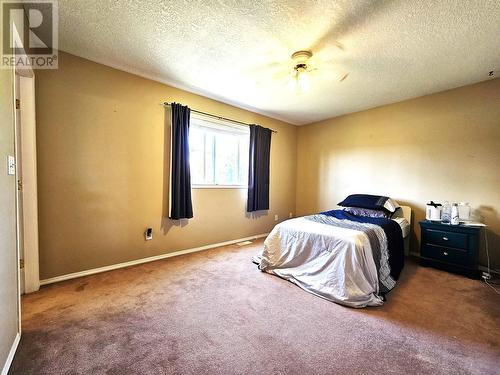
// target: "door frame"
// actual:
[[27, 181], [26, 178], [33, 214]]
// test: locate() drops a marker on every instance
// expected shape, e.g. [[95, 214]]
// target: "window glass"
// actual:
[[218, 153]]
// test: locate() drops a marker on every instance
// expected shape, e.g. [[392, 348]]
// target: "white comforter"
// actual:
[[331, 262]]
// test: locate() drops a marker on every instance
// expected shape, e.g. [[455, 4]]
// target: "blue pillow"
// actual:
[[366, 212], [372, 202]]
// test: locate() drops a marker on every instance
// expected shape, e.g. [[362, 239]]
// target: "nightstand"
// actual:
[[450, 247]]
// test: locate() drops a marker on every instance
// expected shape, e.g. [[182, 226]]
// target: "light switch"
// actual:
[[11, 165]]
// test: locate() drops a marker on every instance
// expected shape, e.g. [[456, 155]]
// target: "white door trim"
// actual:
[[28, 176], [29, 184]]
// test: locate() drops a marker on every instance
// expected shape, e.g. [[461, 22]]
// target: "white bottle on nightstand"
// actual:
[[446, 213], [455, 218]]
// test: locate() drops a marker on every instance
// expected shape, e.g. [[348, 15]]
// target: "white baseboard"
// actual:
[[145, 260], [12, 352]]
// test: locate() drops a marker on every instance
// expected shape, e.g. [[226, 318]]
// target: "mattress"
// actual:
[[404, 224]]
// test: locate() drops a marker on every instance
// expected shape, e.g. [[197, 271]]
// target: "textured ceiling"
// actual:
[[233, 50]]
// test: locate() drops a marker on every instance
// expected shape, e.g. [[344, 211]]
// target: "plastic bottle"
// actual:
[[464, 211], [446, 214], [455, 218]]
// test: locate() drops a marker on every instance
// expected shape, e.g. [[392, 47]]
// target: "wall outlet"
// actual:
[[148, 234], [11, 165], [276, 218], [290, 215]]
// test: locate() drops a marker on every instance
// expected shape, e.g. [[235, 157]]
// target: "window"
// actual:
[[218, 153]]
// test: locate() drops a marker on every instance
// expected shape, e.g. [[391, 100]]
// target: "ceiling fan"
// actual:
[[323, 59], [303, 67], [297, 72]]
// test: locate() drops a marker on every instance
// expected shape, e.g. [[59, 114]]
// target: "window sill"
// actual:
[[218, 187]]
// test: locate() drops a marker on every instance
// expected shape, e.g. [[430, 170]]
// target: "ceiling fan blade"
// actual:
[[332, 74], [262, 68], [328, 55], [280, 74], [283, 74]]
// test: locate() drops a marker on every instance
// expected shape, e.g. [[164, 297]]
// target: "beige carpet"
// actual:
[[213, 312]]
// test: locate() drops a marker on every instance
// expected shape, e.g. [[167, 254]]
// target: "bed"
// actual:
[[347, 259]]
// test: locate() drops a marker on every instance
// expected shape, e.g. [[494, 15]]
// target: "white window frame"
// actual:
[[218, 124]]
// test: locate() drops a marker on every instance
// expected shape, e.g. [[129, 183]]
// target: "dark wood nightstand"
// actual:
[[450, 247]]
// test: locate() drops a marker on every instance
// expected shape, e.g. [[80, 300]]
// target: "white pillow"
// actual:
[[391, 205]]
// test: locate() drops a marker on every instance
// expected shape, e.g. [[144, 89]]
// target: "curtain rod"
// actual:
[[218, 117]]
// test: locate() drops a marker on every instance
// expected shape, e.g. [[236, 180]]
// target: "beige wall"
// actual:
[[102, 176], [8, 250], [444, 146]]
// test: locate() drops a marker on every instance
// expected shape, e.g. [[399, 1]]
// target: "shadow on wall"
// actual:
[[485, 214], [489, 239], [166, 223], [487, 249], [416, 215], [256, 214]]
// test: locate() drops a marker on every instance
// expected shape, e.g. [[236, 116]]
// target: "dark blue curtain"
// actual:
[[181, 206], [258, 168]]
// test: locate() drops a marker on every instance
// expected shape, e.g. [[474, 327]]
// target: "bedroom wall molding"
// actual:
[[12, 352], [93, 271]]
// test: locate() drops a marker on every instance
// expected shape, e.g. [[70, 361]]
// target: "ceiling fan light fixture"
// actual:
[[299, 81], [303, 82]]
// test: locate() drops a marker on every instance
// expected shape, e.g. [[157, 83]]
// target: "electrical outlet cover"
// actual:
[[11, 165]]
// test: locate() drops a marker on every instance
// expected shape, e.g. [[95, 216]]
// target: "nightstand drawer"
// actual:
[[445, 254], [448, 239], [450, 247]]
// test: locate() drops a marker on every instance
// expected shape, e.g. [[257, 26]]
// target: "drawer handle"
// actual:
[[445, 253], [445, 238]]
